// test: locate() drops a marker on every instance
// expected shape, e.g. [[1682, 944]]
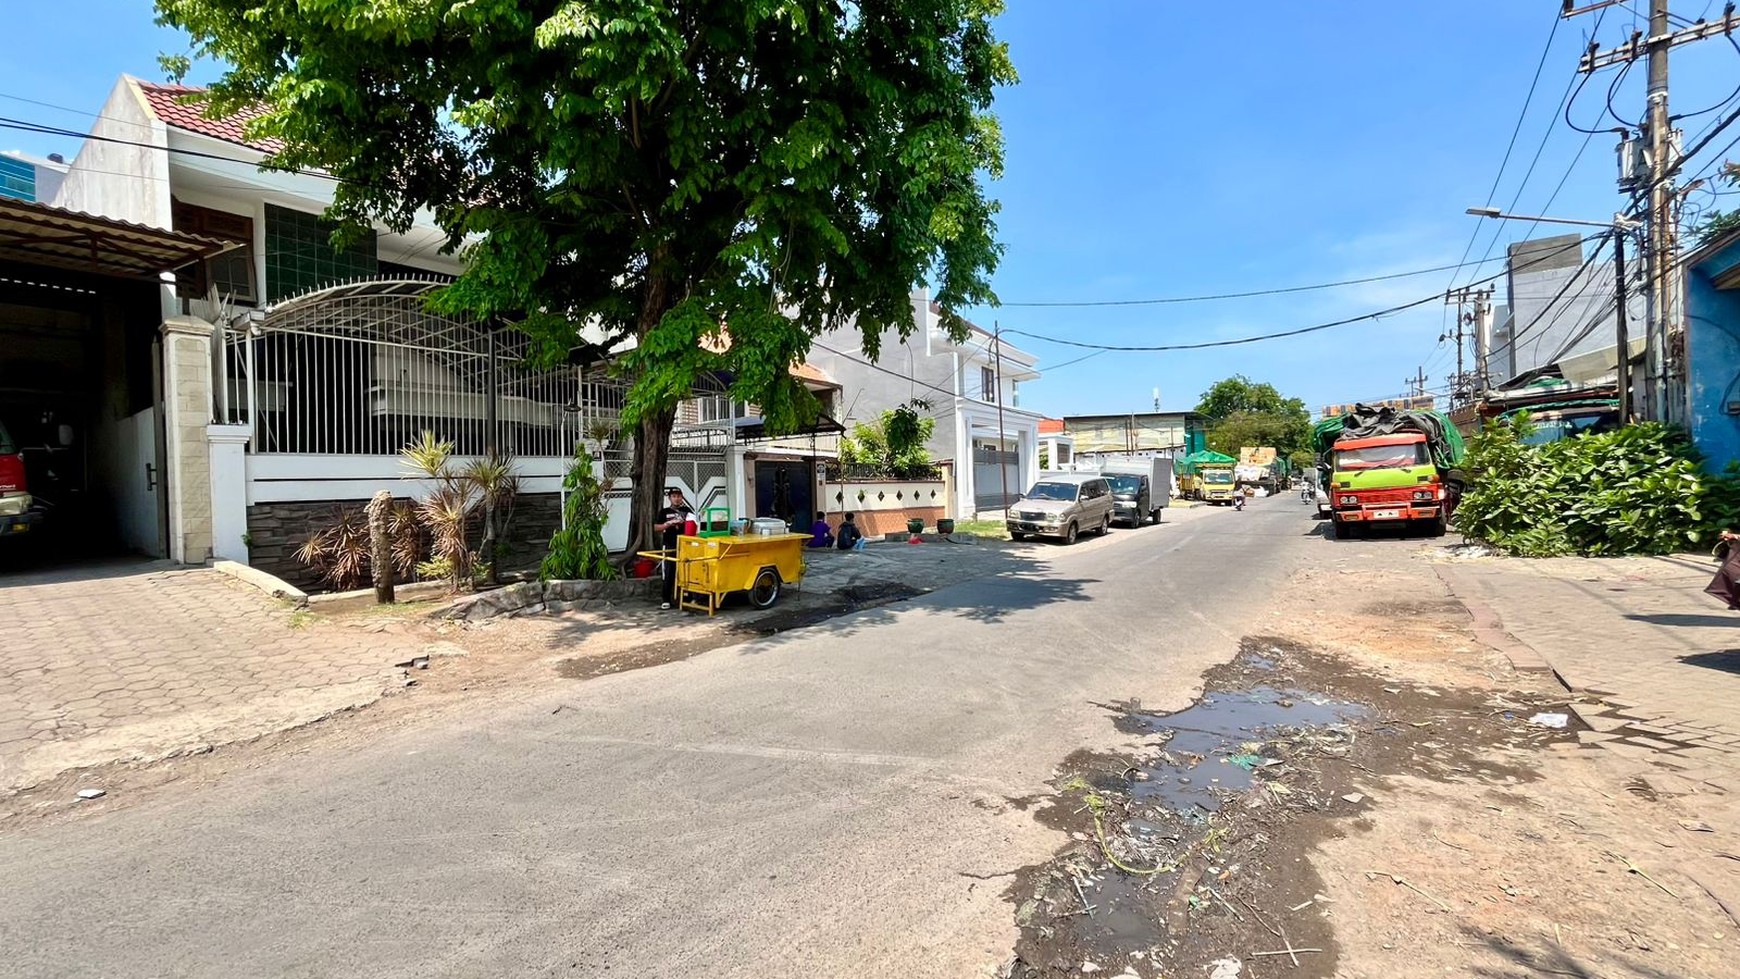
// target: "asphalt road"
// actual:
[[823, 803]]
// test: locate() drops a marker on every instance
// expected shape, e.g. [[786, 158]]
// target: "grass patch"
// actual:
[[993, 529], [301, 619]]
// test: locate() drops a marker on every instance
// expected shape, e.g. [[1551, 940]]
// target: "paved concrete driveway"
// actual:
[[136, 660]]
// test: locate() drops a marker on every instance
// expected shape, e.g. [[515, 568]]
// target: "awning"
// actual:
[[38, 234], [755, 430]]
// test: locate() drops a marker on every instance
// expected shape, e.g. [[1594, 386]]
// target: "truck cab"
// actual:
[[1217, 484], [1387, 479]]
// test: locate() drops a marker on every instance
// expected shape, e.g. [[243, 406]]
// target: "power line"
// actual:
[[1071, 304], [1229, 343]]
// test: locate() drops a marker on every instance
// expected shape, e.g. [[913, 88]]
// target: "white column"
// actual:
[[1028, 439], [964, 465], [229, 490]]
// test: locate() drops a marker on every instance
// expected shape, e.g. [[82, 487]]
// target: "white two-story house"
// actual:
[[973, 389]]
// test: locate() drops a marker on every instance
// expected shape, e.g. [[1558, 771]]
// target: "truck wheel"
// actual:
[[1017, 535], [1343, 530], [1069, 534], [765, 591], [1437, 526]]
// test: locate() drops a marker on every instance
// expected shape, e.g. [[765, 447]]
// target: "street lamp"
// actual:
[[1617, 228]]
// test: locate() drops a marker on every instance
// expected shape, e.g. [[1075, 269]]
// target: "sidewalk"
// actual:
[[141, 661], [1656, 660]]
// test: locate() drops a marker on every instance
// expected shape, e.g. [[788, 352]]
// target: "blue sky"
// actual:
[[1166, 149]]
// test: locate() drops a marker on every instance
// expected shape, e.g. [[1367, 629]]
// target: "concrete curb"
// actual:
[[269, 583], [410, 591], [1489, 630]]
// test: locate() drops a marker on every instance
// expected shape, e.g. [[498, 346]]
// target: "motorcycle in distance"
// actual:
[[1238, 501]]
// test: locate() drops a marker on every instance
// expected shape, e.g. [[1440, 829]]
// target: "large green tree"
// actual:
[[1243, 412], [1240, 393], [661, 170]]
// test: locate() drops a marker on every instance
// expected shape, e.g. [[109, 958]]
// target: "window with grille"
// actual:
[[988, 383], [231, 273]]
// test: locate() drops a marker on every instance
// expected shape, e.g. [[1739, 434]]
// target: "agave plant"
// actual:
[[339, 552]]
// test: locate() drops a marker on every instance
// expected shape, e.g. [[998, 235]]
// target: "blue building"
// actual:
[[28, 178], [1712, 298]]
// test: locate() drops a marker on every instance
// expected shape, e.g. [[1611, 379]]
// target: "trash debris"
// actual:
[[1554, 720], [88, 794], [1225, 969], [1353, 797], [1089, 967]]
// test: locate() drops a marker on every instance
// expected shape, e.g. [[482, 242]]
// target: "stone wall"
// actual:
[[276, 530]]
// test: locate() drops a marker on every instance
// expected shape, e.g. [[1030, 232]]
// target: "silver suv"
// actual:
[[1062, 505]]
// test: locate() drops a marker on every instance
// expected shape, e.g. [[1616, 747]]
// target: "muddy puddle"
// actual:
[[1193, 845]]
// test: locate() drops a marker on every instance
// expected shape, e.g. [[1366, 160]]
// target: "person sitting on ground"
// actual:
[[850, 536], [821, 535]]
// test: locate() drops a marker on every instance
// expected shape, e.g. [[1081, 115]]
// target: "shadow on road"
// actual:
[[1726, 660], [1694, 621]]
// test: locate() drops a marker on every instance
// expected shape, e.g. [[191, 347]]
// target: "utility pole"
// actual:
[[1417, 384], [1654, 173], [1483, 339], [1621, 336], [1460, 382]]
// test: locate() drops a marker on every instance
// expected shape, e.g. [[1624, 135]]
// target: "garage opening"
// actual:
[[79, 407], [81, 434]]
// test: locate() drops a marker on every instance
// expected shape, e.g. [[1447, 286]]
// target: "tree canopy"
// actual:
[[1243, 412], [666, 170], [1240, 393]]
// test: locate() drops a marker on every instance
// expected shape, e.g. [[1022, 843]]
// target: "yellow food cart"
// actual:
[[712, 567]]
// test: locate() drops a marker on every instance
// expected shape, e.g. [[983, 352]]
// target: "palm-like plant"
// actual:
[[446, 510]]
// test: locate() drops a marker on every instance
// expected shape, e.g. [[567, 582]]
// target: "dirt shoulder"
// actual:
[[1366, 793]]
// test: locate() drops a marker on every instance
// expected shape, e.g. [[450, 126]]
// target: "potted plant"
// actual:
[[945, 526], [915, 526]]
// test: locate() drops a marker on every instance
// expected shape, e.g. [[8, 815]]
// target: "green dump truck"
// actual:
[[1383, 466]]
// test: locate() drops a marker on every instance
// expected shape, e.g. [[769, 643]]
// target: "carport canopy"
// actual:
[[40, 234]]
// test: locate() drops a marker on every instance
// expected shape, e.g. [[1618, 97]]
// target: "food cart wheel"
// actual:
[[765, 591]]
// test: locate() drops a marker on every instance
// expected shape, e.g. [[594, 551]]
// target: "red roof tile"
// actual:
[[1051, 426], [170, 104]]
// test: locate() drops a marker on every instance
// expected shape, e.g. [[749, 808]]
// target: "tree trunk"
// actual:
[[652, 438], [379, 513], [652, 453]]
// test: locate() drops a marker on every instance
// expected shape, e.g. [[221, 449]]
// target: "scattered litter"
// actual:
[[1404, 882], [1696, 826], [1353, 797], [92, 793], [1089, 967], [1224, 969], [1635, 869], [414, 663], [1246, 762], [1550, 720]]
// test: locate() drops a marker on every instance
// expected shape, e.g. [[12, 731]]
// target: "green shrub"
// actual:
[[577, 549], [1637, 490]]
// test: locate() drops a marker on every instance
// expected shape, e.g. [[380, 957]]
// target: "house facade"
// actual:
[[293, 371], [1712, 349], [987, 442]]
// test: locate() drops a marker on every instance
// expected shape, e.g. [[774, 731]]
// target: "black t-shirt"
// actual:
[[849, 534], [677, 513]]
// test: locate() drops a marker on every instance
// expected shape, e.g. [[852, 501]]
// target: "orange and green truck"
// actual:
[[1381, 466]]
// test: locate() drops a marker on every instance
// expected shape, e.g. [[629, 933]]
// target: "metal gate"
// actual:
[[991, 467]]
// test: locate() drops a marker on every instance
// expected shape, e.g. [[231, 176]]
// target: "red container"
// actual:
[[690, 528], [643, 568]]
